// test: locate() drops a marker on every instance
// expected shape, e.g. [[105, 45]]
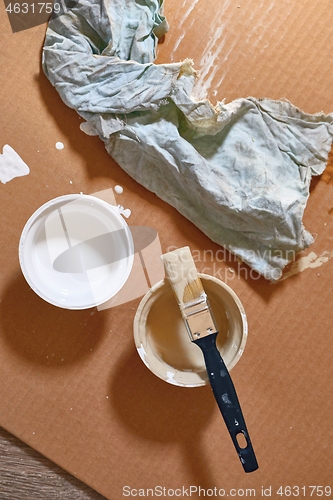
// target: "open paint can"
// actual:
[[76, 251], [163, 342]]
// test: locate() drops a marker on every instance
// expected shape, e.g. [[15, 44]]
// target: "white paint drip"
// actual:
[[126, 212], [310, 261], [119, 189], [11, 165], [59, 145]]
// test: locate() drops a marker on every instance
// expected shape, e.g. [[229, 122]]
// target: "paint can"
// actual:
[[76, 251], [163, 342]]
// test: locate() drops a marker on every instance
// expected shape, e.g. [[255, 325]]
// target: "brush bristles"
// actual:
[[193, 290], [183, 276]]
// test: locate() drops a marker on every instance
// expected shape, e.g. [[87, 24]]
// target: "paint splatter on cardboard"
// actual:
[[310, 261], [11, 165]]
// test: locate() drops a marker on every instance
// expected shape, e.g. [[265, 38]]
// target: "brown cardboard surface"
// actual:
[[71, 383]]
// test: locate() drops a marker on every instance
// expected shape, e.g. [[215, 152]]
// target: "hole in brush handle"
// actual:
[[227, 400], [242, 440]]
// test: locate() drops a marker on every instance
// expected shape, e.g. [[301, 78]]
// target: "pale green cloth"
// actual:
[[239, 171]]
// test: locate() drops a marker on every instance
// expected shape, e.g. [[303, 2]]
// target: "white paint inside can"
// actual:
[[76, 251]]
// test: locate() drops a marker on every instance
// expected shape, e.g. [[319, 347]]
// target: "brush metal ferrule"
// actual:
[[199, 320]]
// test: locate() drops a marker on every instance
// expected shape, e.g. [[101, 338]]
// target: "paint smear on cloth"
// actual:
[[240, 171], [11, 165]]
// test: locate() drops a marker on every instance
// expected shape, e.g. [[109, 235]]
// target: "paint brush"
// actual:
[[201, 326]]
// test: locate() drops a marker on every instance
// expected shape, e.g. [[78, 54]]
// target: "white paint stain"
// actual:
[[177, 45], [59, 145], [126, 212], [224, 60], [214, 55], [262, 24], [225, 399], [180, 26], [119, 189], [11, 165], [171, 378], [311, 261], [211, 59], [206, 65], [88, 129], [188, 11]]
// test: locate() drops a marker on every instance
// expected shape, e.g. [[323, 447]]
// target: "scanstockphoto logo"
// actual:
[[24, 15]]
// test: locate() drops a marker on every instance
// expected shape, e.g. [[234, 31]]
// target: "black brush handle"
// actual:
[[227, 400]]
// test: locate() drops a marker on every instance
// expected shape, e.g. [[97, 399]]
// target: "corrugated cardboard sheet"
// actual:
[[71, 383]]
